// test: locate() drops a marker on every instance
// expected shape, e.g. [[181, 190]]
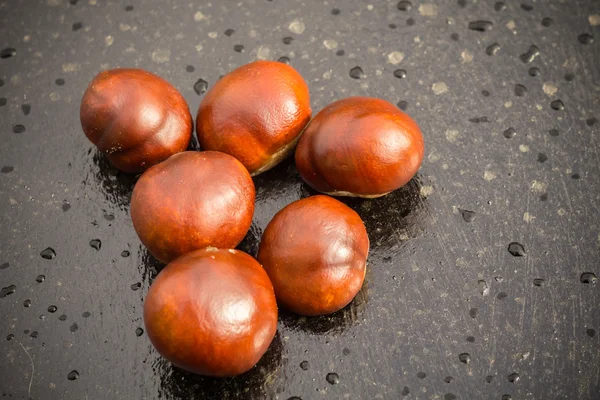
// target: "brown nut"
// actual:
[[212, 312], [190, 201], [256, 113], [315, 252], [135, 118], [359, 146]]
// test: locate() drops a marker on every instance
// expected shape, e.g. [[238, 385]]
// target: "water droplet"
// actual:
[[547, 22], [95, 244], [485, 93], [392, 26], [73, 375], [506, 397], [590, 332], [520, 90], [477, 120], [542, 157], [450, 396], [129, 8], [516, 249], [404, 6], [27, 303], [410, 22], [448, 379], [464, 358], [66, 206], [229, 32], [18, 128], [471, 339], [5, 291], [48, 253], [10, 336], [357, 73], [136, 286], [74, 327], [1, 83], [403, 105], [499, 6], [2, 101], [86, 314], [489, 378], [467, 215], [77, 26], [534, 71], [526, 7], [52, 309], [239, 48], [335, 11], [304, 365], [510, 133], [483, 287], [544, 197], [553, 132], [421, 375], [530, 55], [502, 296], [538, 282], [190, 68], [492, 49], [294, 398], [461, 3], [200, 86], [575, 176], [569, 76], [7, 169], [284, 60], [585, 38], [454, 37], [332, 378], [405, 391], [473, 312], [63, 317], [34, 334], [26, 109], [557, 105], [139, 331], [588, 277], [73, 2], [513, 378], [288, 40], [40, 278], [590, 121], [4, 265], [60, 82], [8, 52], [480, 26], [400, 73], [125, 253]]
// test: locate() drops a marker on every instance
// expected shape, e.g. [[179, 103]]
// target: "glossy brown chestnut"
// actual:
[[212, 312], [256, 113], [190, 201], [135, 118], [315, 252], [359, 146]]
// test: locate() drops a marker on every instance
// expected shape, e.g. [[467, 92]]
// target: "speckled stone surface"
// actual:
[[451, 308]]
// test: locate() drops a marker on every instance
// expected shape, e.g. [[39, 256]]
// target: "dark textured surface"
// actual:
[[443, 296]]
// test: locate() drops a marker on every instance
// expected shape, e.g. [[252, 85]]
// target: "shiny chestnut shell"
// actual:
[[315, 252], [190, 201], [135, 118], [359, 146], [212, 312], [256, 113]]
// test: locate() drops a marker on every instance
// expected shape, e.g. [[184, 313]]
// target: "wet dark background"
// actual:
[[508, 109]]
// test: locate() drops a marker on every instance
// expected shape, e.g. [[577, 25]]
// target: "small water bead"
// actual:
[[190, 68], [591, 121], [464, 358], [10, 336], [520, 90], [499, 6], [335, 11], [569, 76], [502, 296], [557, 105], [136, 286], [139, 331], [66, 206], [403, 105], [340, 52], [4, 265], [7, 169], [477, 120], [526, 7], [73, 375], [461, 3], [229, 32], [467, 215], [96, 244], [575, 176], [450, 396], [40, 278], [405, 391], [410, 22], [8, 52], [284, 60], [538, 282], [27, 303], [509, 133], [454, 37], [506, 397], [77, 26], [357, 73], [590, 332], [553, 132], [48, 253], [125, 253], [86, 314], [294, 398], [534, 71], [448, 379], [588, 277], [404, 6], [8, 290], [530, 54], [26, 109], [481, 26], [1, 82], [63, 317], [513, 378], [492, 49], [288, 40], [200, 86], [400, 73], [489, 378], [129, 8], [421, 375], [3, 101], [73, 2], [547, 22], [470, 339], [585, 38], [346, 351], [516, 249], [542, 157], [18, 128], [392, 26], [544, 197], [485, 93], [60, 82], [52, 309], [74, 327], [238, 48], [34, 334], [332, 378], [473, 312], [304, 365]]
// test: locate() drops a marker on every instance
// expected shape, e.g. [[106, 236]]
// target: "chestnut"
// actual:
[[256, 113], [315, 252], [359, 146], [136, 118], [212, 312], [190, 201]]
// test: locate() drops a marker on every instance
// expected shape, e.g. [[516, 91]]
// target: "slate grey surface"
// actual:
[[441, 282]]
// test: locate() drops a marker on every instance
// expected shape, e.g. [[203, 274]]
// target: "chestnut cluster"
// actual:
[[213, 309]]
